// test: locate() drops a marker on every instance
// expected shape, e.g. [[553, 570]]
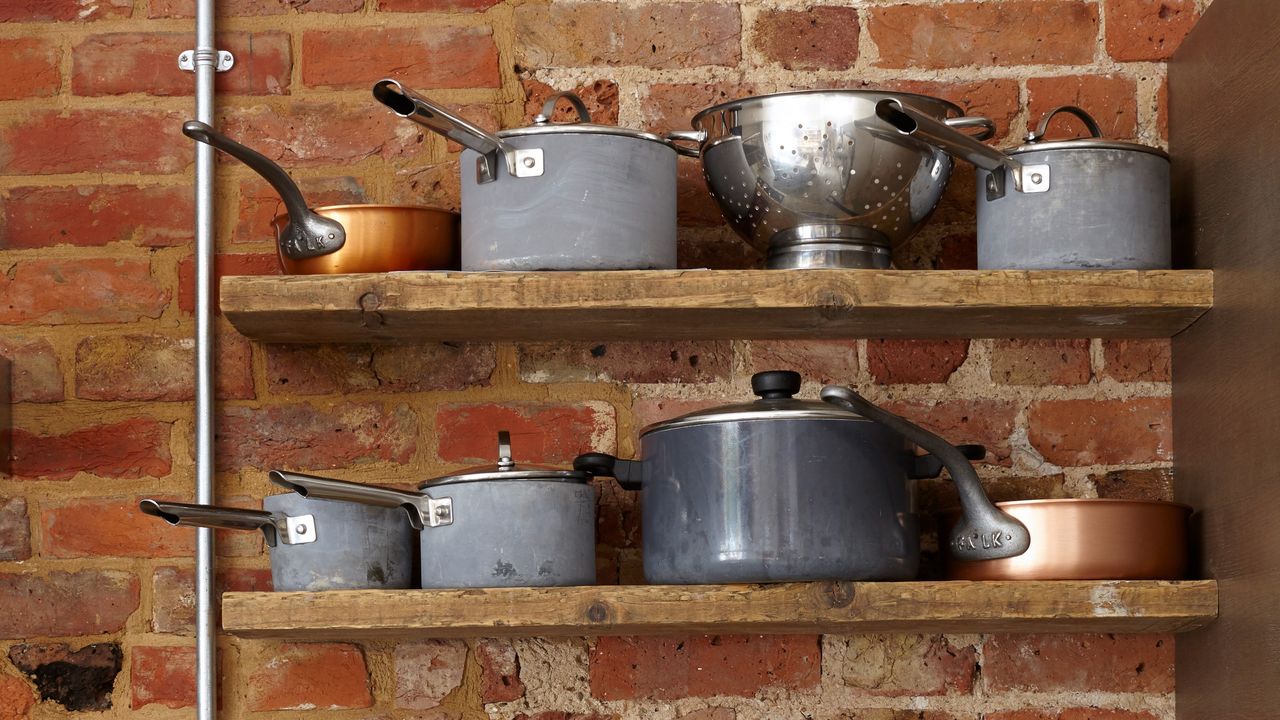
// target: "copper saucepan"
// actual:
[[1090, 539], [346, 238]]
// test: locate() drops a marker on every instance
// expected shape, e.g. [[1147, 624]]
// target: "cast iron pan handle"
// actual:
[[626, 472], [211, 516], [423, 510], [984, 532], [307, 235], [929, 466]]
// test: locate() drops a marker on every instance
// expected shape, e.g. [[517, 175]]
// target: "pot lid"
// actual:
[[506, 469], [776, 389], [1035, 141], [542, 124]]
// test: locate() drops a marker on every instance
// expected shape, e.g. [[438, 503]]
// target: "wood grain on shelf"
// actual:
[[716, 304], [822, 607]]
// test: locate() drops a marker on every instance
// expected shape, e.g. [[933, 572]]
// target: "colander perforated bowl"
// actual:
[[818, 179]]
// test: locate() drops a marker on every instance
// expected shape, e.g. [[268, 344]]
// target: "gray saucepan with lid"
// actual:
[[783, 489], [1087, 204], [556, 196], [498, 526], [315, 544]]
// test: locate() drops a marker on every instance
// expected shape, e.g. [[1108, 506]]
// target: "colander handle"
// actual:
[[697, 137], [986, 126]]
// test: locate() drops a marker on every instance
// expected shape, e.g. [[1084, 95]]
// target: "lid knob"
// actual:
[[775, 384]]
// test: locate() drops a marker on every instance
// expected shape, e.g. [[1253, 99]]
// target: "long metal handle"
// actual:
[[408, 104], [986, 126], [423, 510], [308, 235], [212, 516], [911, 122], [985, 532]]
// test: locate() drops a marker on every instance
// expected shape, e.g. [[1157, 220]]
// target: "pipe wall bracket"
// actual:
[[187, 60]]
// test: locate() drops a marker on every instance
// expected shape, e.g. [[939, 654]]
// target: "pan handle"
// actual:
[[986, 126], [985, 532], [697, 137], [1026, 178], [297, 530], [626, 472], [307, 235], [422, 509], [409, 105]]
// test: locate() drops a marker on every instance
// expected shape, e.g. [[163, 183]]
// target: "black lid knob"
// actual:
[[775, 384]]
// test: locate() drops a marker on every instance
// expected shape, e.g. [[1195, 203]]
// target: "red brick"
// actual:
[[820, 37], [1110, 99], [36, 373], [48, 142], [260, 204], [434, 56], [435, 5], [62, 10], [1150, 484], [630, 362], [499, 671], [30, 68], [988, 422], [1137, 360], [957, 251], [540, 432], [110, 527], [87, 602], [163, 676], [306, 134], [16, 698], [94, 290], [122, 63], [431, 184], [155, 367], [1148, 29], [428, 671], [669, 106], [15, 529], [237, 8], [327, 369], [893, 362], [668, 668], [907, 665], [600, 97], [322, 676], [237, 264], [715, 248], [1040, 362], [657, 35], [304, 436], [134, 448], [95, 215], [1071, 714], [1070, 663], [173, 594], [939, 496], [821, 361], [1013, 32], [1107, 432]]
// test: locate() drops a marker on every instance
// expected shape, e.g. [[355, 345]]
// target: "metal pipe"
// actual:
[[206, 62]]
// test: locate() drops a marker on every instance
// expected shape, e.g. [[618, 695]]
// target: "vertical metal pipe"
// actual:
[[206, 62]]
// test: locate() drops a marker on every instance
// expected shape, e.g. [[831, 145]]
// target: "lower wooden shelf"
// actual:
[[820, 607]]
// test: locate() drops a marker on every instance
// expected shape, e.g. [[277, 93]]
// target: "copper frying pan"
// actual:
[[1090, 539], [346, 238]]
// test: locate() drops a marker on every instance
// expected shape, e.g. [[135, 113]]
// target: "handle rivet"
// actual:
[[301, 529], [529, 162], [1037, 178]]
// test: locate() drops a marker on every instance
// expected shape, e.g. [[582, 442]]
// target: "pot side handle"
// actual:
[[697, 137], [626, 472], [422, 509], [292, 530], [985, 532]]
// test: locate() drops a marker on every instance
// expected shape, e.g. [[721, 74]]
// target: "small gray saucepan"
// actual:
[[783, 489], [498, 526], [315, 544]]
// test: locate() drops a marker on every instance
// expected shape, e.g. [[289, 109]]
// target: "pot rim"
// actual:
[[959, 111], [684, 421], [1086, 144]]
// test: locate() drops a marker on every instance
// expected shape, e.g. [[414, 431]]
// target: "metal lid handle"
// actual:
[[1084, 117], [549, 108]]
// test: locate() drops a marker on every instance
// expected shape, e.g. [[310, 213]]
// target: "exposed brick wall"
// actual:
[[96, 300]]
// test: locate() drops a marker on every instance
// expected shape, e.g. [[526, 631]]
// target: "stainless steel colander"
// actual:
[[818, 179]]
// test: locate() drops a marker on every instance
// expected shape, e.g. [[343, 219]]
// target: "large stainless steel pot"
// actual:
[[574, 196], [499, 526], [345, 238], [816, 178], [314, 544], [783, 489], [1090, 204]]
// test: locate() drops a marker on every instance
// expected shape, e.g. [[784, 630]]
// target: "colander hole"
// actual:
[[800, 125], [828, 123], [804, 137], [899, 177], [875, 227], [899, 164], [853, 172], [879, 205], [866, 207], [810, 183]]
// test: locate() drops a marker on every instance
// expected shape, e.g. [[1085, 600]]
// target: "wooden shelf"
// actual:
[[825, 607], [715, 304]]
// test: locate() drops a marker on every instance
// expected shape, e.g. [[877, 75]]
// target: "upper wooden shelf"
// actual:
[[822, 607], [715, 304]]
